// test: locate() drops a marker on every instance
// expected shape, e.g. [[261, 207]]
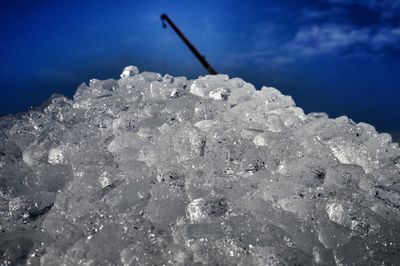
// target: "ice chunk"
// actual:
[[166, 205], [202, 209], [215, 87], [259, 140], [205, 125], [129, 71], [56, 156], [219, 94], [335, 211]]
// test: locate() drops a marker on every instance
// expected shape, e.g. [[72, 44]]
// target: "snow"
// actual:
[[161, 170]]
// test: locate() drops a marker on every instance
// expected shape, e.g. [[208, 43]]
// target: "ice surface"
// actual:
[[161, 170]]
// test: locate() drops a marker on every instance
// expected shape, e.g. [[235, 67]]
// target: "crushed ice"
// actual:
[[153, 170]]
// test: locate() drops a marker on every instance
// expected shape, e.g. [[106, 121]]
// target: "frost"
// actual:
[[161, 170]]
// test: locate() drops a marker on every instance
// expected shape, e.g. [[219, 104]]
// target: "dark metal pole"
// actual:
[[201, 58]]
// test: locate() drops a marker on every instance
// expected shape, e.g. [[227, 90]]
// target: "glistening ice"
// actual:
[[161, 170]]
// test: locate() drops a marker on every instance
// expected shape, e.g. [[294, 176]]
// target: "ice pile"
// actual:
[[161, 170]]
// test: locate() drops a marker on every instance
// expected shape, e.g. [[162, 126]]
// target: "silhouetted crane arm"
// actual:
[[201, 58]]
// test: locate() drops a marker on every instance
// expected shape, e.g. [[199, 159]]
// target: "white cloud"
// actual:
[[387, 8], [321, 40], [334, 38], [325, 39], [386, 37], [308, 14], [330, 31]]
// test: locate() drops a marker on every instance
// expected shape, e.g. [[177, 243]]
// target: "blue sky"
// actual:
[[334, 56]]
